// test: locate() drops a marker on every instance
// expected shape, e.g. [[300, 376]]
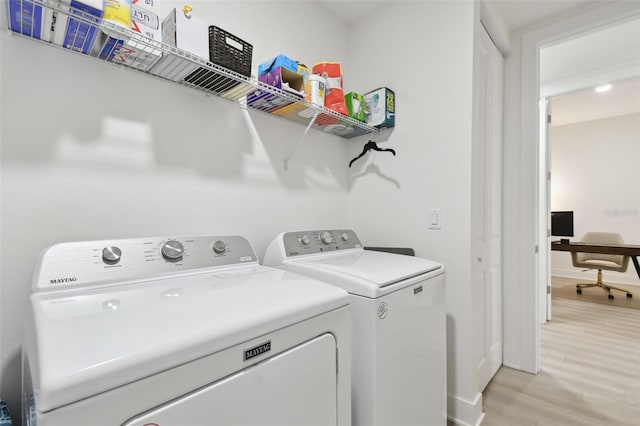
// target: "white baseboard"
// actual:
[[590, 275], [465, 413]]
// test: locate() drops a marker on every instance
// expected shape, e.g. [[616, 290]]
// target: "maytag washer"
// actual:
[[182, 331], [399, 321]]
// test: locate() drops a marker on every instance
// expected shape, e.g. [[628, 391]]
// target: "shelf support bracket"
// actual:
[[299, 141]]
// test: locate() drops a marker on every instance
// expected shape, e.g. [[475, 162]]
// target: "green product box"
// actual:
[[356, 106]]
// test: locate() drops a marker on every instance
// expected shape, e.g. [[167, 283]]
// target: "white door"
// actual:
[[486, 207]]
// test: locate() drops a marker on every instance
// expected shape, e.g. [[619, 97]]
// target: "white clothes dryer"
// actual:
[[398, 328], [182, 332]]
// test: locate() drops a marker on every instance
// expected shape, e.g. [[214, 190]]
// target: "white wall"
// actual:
[[91, 151], [594, 172], [424, 52]]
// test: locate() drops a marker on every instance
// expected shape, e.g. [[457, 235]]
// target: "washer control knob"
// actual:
[[111, 255], [304, 240], [344, 236], [219, 247], [326, 237], [172, 250]]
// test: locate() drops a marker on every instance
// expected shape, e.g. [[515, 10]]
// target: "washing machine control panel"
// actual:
[[319, 241], [90, 263]]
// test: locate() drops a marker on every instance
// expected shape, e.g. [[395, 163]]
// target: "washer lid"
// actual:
[[92, 340], [378, 269]]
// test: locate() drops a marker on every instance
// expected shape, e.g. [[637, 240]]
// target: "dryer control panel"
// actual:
[[319, 241], [88, 263]]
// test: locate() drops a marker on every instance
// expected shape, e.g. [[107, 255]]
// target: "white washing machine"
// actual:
[[398, 328], [182, 332]]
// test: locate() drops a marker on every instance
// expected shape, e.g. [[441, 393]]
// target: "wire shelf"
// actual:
[[128, 49]]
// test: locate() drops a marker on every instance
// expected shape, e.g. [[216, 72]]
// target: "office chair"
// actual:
[[609, 262]]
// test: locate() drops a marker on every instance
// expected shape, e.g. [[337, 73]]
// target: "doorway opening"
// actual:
[[585, 144]]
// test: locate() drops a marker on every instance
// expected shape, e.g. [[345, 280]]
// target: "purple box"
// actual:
[[285, 80], [265, 101]]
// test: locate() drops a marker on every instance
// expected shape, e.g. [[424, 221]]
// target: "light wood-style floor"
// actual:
[[590, 361]]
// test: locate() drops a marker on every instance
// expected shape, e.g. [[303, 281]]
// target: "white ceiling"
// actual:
[[609, 48], [349, 11], [577, 65], [522, 13], [516, 13], [587, 105]]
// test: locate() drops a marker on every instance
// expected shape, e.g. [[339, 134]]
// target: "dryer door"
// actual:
[[296, 387]]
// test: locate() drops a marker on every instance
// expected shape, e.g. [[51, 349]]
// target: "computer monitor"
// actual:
[[562, 224]]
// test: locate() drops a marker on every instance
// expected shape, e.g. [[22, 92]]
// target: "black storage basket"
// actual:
[[226, 55], [222, 53]]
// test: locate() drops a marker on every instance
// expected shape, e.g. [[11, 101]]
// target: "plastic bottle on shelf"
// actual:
[[316, 89]]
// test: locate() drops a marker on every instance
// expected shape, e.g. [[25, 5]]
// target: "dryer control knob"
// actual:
[[344, 236], [172, 250], [326, 237], [219, 247], [111, 255], [304, 240]]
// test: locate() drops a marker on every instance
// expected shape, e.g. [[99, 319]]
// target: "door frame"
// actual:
[[544, 210], [522, 93]]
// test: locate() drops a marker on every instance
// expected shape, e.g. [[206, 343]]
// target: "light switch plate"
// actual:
[[435, 219]]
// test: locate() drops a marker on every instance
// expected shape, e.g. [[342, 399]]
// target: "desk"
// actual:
[[632, 251]]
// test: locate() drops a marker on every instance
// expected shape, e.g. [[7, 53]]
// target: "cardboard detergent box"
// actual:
[[31, 19], [141, 50], [76, 34], [182, 30], [280, 61], [286, 74], [381, 105], [284, 79], [145, 20]]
